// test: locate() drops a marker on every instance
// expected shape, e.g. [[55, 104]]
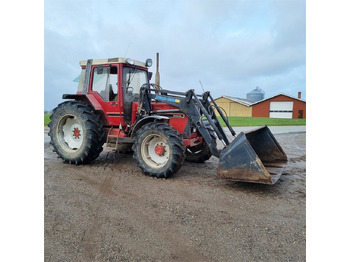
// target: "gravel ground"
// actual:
[[110, 211]]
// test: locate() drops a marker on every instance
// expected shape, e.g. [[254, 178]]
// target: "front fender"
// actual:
[[146, 120]]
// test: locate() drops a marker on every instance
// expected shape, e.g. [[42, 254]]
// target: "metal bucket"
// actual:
[[254, 157]]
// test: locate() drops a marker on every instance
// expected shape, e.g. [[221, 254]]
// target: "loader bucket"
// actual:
[[254, 157]]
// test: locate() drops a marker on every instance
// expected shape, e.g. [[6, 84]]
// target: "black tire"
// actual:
[[168, 159], [199, 153], [76, 132]]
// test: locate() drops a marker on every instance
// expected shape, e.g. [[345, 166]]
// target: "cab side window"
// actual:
[[105, 83]]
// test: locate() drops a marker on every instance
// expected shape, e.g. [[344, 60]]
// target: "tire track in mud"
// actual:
[[205, 173], [117, 179], [89, 242], [182, 249], [201, 175]]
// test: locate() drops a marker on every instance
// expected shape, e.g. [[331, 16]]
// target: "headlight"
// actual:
[[149, 62], [130, 61]]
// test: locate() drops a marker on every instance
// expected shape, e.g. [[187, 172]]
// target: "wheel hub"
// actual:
[[71, 132], [76, 133], [159, 150], [155, 151]]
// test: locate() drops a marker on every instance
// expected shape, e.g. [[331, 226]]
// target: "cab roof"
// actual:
[[116, 60]]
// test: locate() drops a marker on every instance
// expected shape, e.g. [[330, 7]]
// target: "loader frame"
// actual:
[[196, 107]]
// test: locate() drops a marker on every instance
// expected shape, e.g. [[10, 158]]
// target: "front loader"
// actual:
[[116, 105]]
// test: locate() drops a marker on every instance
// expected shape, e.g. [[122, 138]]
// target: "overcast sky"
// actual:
[[230, 46]]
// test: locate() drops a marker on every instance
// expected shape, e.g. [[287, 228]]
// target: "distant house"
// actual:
[[234, 106], [280, 106]]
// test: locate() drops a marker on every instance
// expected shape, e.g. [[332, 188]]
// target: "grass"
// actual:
[[261, 121], [242, 121], [47, 119]]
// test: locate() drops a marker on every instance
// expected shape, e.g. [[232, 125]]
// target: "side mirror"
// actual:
[[149, 62]]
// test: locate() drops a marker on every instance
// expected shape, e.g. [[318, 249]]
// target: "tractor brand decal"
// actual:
[[168, 99]]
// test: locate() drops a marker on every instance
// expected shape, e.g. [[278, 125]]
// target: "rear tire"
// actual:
[[199, 153], [158, 150], [76, 132]]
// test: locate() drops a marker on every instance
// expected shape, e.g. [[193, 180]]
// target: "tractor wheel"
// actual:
[[199, 153], [158, 150], [76, 132]]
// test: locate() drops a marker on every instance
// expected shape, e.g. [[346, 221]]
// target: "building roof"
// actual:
[[280, 94], [241, 101], [248, 103]]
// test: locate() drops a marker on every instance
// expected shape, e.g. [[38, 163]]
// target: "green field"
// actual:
[[243, 121], [260, 121], [46, 119]]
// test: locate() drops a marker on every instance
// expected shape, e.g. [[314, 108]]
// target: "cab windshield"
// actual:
[[133, 79]]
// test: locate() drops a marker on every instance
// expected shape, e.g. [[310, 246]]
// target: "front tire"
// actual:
[[76, 132], [158, 150]]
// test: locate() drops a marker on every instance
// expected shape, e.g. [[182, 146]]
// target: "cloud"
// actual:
[[231, 46]]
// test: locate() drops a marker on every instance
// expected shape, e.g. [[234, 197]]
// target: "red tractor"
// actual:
[[117, 105]]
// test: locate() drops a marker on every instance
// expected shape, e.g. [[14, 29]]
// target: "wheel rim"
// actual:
[[155, 151], [70, 133]]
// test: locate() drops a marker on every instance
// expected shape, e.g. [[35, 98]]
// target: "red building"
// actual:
[[280, 106]]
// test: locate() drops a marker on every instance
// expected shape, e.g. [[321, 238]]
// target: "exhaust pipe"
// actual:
[[157, 80]]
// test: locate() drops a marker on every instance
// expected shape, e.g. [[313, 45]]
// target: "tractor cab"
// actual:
[[113, 86]]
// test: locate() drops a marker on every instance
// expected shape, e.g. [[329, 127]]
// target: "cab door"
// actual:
[[105, 86], [133, 78]]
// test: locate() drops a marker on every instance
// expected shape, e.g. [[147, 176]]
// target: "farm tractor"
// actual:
[[116, 105]]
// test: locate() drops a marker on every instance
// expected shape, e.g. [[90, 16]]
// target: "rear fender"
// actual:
[[89, 100], [86, 98]]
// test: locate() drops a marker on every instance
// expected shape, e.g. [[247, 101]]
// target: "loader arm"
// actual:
[[197, 108], [254, 157]]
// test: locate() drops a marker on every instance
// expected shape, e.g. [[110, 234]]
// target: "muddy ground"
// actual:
[[110, 211]]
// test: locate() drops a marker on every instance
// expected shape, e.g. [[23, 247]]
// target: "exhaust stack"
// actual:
[[157, 80]]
